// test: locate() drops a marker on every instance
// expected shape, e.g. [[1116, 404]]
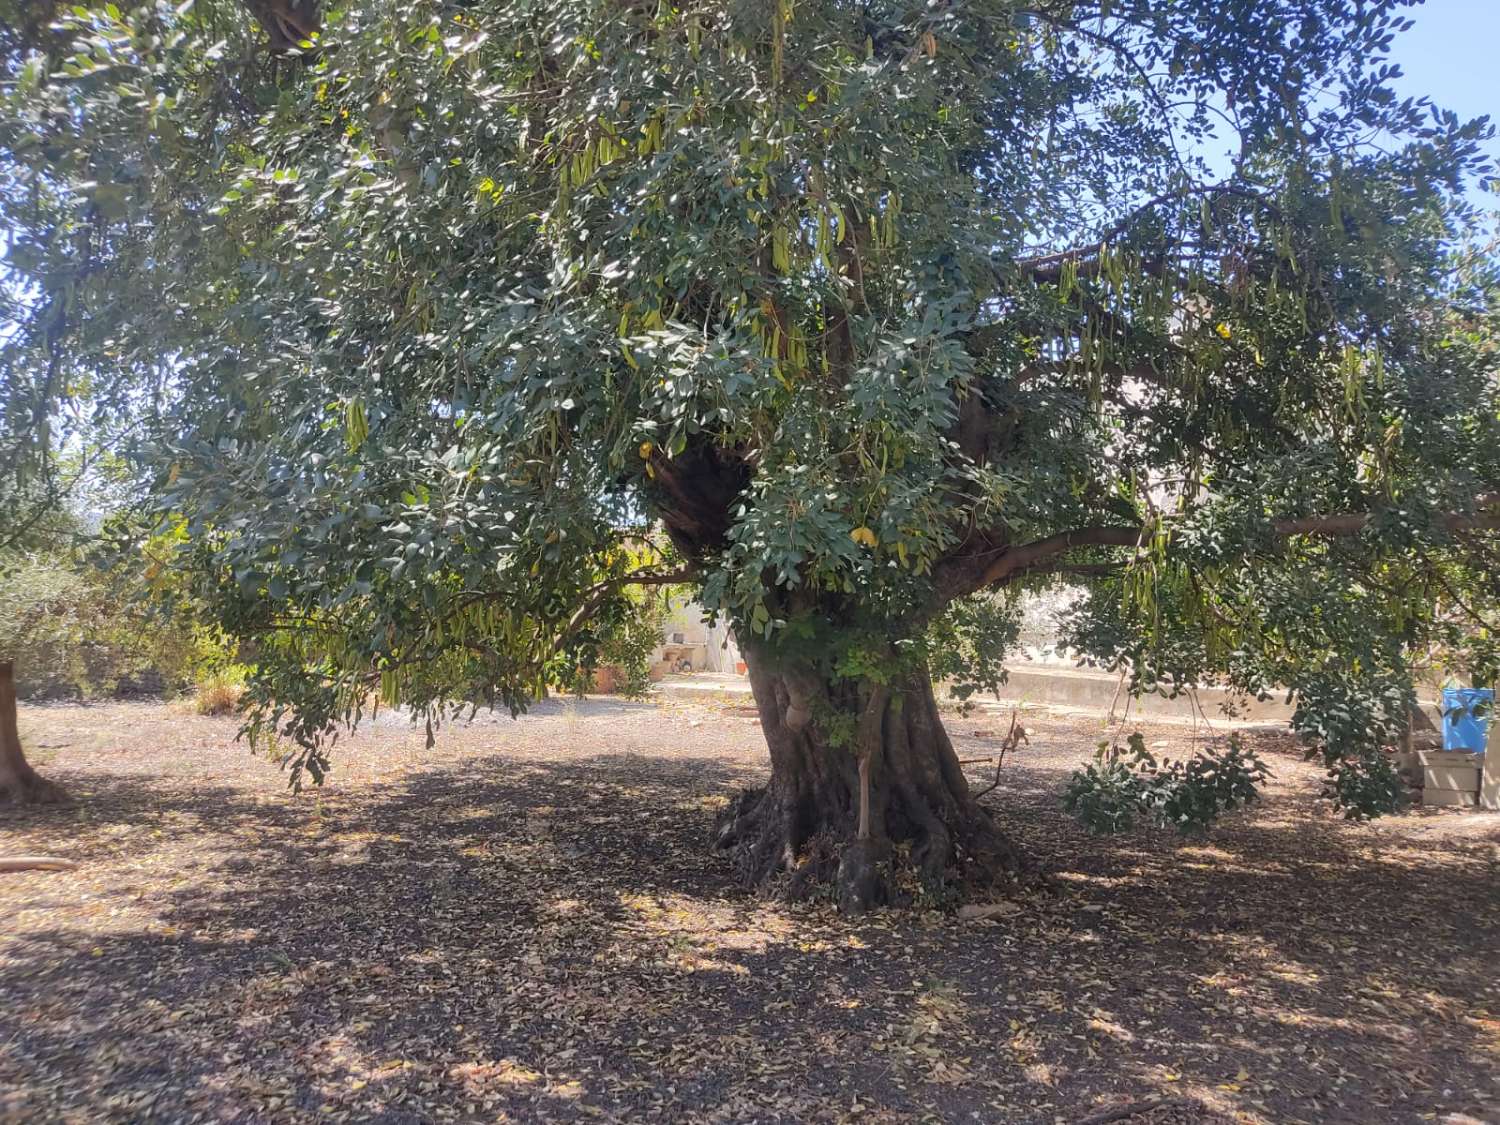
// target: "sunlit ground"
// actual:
[[526, 923]]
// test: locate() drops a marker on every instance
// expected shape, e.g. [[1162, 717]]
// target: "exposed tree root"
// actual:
[[35, 863], [32, 790]]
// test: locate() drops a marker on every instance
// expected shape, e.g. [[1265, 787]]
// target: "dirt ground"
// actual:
[[525, 923]]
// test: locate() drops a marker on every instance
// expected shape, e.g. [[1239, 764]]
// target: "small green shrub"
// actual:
[[624, 639], [629, 645], [73, 632], [1124, 786], [1365, 787], [1106, 796], [46, 610]]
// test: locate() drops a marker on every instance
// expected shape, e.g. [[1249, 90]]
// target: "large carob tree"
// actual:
[[449, 321]]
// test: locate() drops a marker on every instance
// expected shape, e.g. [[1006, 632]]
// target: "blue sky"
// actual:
[[1452, 55]]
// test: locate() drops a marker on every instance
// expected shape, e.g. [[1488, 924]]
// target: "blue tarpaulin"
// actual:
[[1466, 718]]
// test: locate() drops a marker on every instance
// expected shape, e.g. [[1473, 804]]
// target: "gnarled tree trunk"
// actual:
[[866, 793], [18, 781]]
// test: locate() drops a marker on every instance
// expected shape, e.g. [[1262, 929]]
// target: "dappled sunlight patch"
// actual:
[[1197, 1090], [1105, 1023], [1488, 1028], [732, 925], [712, 803], [477, 1077], [1293, 972], [932, 1042], [1104, 882], [1303, 1020], [1027, 1048], [1226, 981], [1258, 961], [1216, 861], [1217, 1098], [462, 815], [697, 935], [1207, 853], [1448, 1007], [564, 907]]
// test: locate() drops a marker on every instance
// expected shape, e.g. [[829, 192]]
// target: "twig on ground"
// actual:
[[36, 863]]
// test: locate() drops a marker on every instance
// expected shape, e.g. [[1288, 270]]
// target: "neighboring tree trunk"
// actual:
[[834, 744], [18, 781]]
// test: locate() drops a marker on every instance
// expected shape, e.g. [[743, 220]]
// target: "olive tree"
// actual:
[[450, 321]]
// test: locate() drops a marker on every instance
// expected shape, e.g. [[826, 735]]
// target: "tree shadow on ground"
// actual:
[[550, 938]]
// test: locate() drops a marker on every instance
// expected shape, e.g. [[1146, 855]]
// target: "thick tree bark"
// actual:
[[880, 814], [18, 781]]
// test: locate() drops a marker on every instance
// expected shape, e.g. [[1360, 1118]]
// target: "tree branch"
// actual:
[[1033, 557], [288, 23], [1044, 268], [1030, 556], [36, 863], [1081, 570], [601, 594], [1352, 523]]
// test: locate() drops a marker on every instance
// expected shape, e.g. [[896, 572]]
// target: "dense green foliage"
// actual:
[[1127, 785], [52, 626], [865, 307], [77, 630], [967, 644], [623, 638]]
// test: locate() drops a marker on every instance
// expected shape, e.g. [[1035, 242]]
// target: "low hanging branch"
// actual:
[[1014, 737], [1352, 523], [1030, 556], [601, 595]]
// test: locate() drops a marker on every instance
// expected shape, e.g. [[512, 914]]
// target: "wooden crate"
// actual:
[[1449, 797], [1443, 777], [1439, 758], [1462, 779], [1489, 781]]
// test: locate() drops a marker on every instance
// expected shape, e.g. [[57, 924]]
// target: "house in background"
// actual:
[[690, 644]]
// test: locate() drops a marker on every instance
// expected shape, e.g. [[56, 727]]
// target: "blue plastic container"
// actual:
[[1466, 718]]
